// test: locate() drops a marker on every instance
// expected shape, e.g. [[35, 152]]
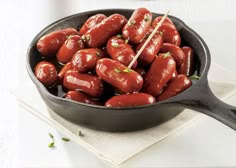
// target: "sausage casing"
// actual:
[[170, 33], [100, 33], [175, 51], [121, 51], [91, 22], [175, 86], [149, 52], [46, 73], [126, 100], [159, 73], [118, 75], [89, 84], [166, 21], [63, 70], [80, 97], [137, 26], [49, 44], [69, 48], [187, 67], [86, 59]]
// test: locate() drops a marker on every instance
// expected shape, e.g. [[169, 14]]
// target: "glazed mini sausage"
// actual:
[[46, 73], [175, 52], [121, 51], [166, 21], [118, 75], [159, 73], [137, 26], [149, 52], [187, 66], [49, 44], [91, 22], [100, 33], [89, 84], [126, 100], [63, 70], [170, 33], [80, 97], [176, 86], [69, 48], [86, 59]]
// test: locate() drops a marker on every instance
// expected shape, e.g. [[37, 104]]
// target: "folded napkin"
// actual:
[[119, 147]]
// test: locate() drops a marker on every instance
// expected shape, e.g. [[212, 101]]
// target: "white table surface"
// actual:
[[24, 139]]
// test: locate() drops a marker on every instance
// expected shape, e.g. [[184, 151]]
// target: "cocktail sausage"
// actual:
[[119, 76]]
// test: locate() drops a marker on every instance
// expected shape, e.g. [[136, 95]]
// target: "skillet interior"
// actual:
[[117, 119]]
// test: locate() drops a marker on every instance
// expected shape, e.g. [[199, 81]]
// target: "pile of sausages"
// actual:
[[95, 60]]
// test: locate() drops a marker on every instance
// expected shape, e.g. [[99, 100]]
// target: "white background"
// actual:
[[24, 139]]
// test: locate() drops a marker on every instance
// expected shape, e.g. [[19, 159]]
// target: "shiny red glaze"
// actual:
[[100, 33], [137, 26], [141, 71], [150, 30], [175, 51], [69, 48], [127, 100], [170, 33], [120, 51], [91, 22], [187, 66], [80, 97], [166, 21], [159, 73], [49, 44], [46, 73], [174, 75], [64, 69], [113, 73], [175, 86], [149, 52], [89, 84], [86, 59]]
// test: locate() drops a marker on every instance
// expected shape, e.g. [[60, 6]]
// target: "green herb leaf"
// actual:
[[87, 37], [80, 41], [161, 33], [119, 36], [146, 18], [50, 135], [115, 44], [126, 41], [83, 38], [131, 23], [98, 54], [53, 141], [127, 70], [65, 139], [166, 55], [117, 70], [194, 77], [68, 37], [81, 134], [51, 145]]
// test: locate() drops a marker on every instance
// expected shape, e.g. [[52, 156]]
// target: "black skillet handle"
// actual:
[[206, 102]]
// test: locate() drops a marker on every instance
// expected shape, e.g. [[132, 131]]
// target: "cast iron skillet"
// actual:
[[198, 96]]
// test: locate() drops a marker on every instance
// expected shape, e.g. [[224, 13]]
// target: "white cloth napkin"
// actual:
[[119, 147]]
